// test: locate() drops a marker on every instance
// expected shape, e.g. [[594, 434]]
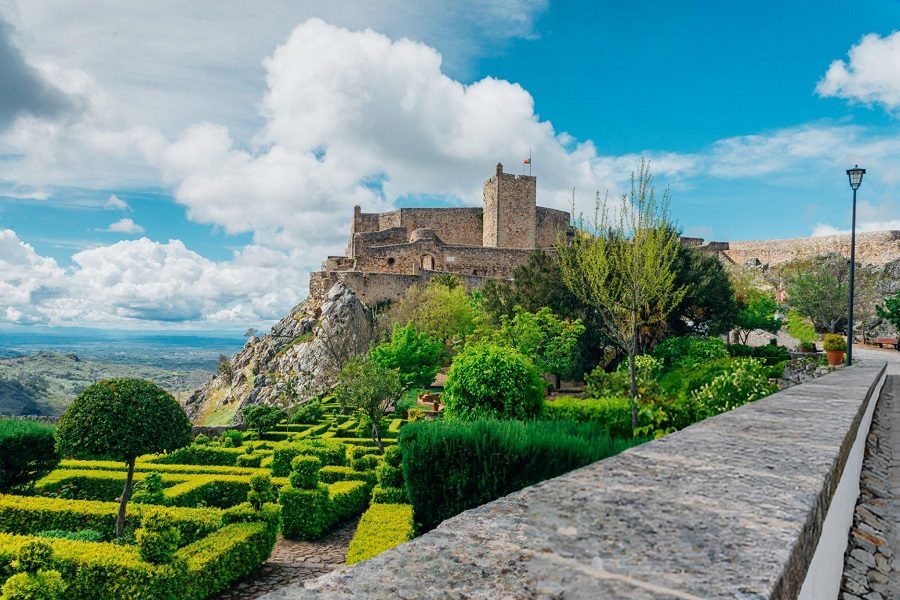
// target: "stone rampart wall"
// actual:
[[731, 507], [877, 248], [550, 222]]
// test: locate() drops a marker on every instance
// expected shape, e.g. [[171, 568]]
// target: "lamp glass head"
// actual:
[[855, 174]]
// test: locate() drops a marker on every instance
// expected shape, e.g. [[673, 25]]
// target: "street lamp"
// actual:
[[855, 175]]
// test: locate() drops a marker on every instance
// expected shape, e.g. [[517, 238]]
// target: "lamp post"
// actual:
[[855, 175]]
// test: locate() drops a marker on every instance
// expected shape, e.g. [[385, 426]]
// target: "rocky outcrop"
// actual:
[[299, 359]]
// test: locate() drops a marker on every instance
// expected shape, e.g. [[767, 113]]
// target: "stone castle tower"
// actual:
[[510, 207]]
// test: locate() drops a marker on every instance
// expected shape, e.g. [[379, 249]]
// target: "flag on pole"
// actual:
[[527, 161]]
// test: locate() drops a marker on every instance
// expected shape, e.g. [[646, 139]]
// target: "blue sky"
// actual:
[[192, 178]]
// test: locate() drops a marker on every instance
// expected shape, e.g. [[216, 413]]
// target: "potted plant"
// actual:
[[835, 346]]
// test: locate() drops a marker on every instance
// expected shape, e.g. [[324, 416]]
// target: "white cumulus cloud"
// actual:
[[871, 74], [115, 203], [124, 225]]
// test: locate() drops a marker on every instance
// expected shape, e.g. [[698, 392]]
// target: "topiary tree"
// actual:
[[416, 355], [491, 381], [262, 417], [157, 539], [27, 453], [121, 419]]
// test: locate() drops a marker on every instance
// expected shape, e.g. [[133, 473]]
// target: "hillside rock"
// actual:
[[299, 359]]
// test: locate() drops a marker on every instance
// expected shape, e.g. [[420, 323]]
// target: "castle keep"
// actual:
[[389, 252]]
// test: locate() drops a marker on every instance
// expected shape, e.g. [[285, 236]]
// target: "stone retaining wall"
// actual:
[[732, 507]]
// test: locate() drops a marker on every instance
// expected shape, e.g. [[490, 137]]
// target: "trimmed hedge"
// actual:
[[304, 513], [389, 495], [199, 455], [141, 466], [451, 466], [24, 515], [614, 414], [381, 528], [334, 474], [347, 499], [27, 452], [330, 453]]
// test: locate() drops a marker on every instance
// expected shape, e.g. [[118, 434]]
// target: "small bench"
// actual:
[[888, 342]]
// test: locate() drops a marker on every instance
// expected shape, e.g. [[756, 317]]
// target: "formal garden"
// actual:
[[622, 335]]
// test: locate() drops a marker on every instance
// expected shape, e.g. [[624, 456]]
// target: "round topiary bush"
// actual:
[[490, 381], [34, 581], [261, 491], [157, 539], [33, 556]]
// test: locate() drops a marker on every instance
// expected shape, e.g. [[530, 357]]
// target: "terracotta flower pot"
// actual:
[[835, 357]]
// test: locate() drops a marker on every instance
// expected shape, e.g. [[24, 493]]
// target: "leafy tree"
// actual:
[[799, 327], [551, 342], [446, 313], [819, 290], [225, 369], [27, 453], [370, 389], [537, 284], [417, 356], [491, 381], [890, 310], [262, 417], [708, 306], [121, 419], [757, 311], [622, 263]]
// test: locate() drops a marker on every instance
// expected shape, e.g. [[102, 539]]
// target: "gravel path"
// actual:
[[293, 562]]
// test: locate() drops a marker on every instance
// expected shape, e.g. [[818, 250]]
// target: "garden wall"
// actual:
[[737, 506]]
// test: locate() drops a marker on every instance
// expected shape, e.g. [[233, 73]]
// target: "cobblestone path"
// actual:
[[293, 562]]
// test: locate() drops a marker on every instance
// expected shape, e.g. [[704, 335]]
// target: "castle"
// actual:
[[389, 252]]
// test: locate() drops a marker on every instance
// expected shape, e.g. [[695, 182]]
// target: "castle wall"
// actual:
[[459, 226], [549, 223], [877, 248], [429, 254]]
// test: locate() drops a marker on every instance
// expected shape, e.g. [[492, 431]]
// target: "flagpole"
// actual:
[[529, 162]]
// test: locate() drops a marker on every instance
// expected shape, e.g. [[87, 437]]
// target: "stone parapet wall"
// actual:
[[731, 507], [550, 223], [877, 248], [372, 288]]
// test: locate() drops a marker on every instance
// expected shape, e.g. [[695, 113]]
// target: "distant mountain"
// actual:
[[44, 383]]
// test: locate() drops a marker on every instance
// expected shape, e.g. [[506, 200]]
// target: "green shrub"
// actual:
[[393, 456], [389, 476], [329, 452], [360, 451], [157, 539], [262, 417], [309, 412], [381, 528], [305, 472], [601, 384], [27, 453], [389, 495], [490, 381], [249, 460], [799, 327], [149, 490], [768, 354], [33, 556], [689, 351], [305, 513], [261, 491], [202, 439], [347, 499], [744, 382], [682, 382], [85, 535], [415, 354], [366, 462], [42, 585], [613, 414], [231, 438], [451, 466], [834, 341]]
